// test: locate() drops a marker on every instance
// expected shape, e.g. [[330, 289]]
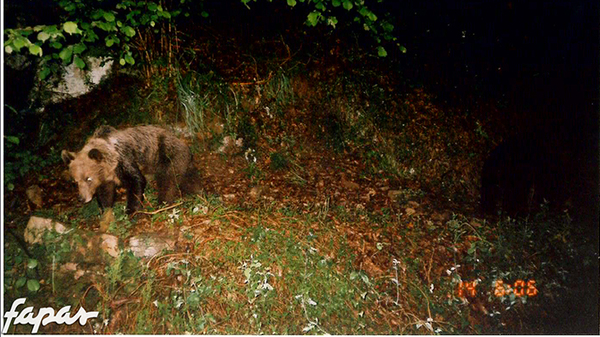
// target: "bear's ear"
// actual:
[[67, 156], [96, 155], [104, 131]]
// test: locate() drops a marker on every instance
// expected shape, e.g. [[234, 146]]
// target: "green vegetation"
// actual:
[[286, 271]]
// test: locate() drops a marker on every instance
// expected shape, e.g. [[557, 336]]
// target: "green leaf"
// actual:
[[108, 16], [70, 7], [388, 27], [10, 186], [35, 49], [313, 18], [122, 61], [106, 26], [336, 3], [291, 3], [367, 13], [21, 282], [12, 139], [204, 14], [66, 54], [90, 36], [127, 30], [20, 42], [403, 49], [129, 59], [44, 73], [78, 62], [32, 263], [43, 36], [56, 45], [97, 14], [348, 5], [79, 48], [381, 51], [70, 27], [332, 21], [109, 41], [33, 285], [8, 49]]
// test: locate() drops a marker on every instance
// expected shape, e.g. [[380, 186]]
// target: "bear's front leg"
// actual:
[[135, 183], [106, 194]]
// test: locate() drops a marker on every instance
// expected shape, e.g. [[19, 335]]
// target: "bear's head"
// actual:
[[89, 170]]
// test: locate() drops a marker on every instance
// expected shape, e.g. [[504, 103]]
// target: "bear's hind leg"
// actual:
[[191, 183], [168, 189], [166, 172]]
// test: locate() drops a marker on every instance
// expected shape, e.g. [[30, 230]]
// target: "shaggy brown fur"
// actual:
[[114, 158]]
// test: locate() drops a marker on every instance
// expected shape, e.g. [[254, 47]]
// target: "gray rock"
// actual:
[[148, 245], [36, 227]]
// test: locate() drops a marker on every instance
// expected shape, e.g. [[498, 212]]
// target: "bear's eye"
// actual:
[[88, 179]]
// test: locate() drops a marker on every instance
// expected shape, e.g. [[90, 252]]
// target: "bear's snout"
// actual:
[[84, 199]]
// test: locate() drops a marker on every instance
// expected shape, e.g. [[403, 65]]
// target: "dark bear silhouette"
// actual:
[[518, 176]]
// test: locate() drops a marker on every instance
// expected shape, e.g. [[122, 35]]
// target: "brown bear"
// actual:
[[112, 158]]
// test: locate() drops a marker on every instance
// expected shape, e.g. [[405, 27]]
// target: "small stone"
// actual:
[[34, 194], [110, 244]]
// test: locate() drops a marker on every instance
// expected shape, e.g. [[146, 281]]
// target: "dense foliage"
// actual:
[[120, 30]]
